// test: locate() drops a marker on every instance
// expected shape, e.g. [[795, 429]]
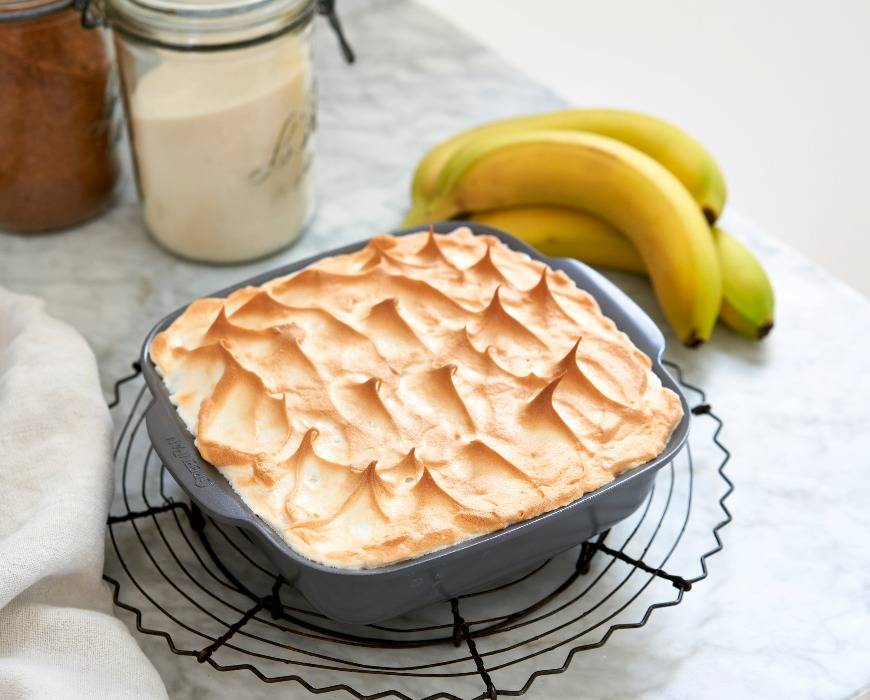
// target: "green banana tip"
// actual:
[[765, 329], [693, 340], [417, 215], [412, 219]]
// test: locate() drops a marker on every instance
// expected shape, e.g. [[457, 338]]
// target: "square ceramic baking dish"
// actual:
[[370, 595]]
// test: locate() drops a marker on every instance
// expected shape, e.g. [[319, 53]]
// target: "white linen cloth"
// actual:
[[58, 636]]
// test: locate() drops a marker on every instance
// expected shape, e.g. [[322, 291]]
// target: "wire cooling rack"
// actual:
[[212, 596]]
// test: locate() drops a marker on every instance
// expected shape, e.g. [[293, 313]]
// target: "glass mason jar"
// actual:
[[220, 107], [58, 117]]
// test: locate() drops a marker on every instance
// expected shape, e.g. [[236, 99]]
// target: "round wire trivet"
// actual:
[[206, 589]]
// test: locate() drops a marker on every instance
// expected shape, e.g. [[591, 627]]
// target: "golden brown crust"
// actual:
[[380, 405]]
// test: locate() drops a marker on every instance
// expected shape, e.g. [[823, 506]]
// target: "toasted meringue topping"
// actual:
[[423, 390]]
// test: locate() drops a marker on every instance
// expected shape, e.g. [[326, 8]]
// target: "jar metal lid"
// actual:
[[207, 25], [15, 10]]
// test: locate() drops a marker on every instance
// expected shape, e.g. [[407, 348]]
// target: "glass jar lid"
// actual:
[[13, 10], [206, 25]]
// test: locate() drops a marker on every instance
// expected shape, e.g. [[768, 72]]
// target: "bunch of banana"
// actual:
[[612, 188], [747, 297]]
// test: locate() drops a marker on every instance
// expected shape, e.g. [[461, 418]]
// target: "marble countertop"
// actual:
[[786, 610]]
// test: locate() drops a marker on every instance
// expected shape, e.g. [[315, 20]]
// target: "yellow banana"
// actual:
[[566, 233], [609, 179], [747, 296], [747, 303], [687, 159]]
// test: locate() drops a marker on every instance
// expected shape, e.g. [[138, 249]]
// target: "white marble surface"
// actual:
[[786, 611]]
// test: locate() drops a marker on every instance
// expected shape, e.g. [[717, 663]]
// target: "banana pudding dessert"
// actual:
[[425, 389]]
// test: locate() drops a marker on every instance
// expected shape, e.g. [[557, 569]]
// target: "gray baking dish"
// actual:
[[365, 596]]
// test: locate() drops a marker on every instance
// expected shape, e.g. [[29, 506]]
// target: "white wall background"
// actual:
[[779, 90]]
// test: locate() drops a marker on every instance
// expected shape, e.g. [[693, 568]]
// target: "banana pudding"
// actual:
[[423, 390]]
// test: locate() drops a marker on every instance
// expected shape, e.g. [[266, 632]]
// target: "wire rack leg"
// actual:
[[584, 559], [678, 581], [206, 653], [460, 625]]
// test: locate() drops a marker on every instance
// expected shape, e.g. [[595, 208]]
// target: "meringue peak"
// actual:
[[404, 474], [486, 269], [431, 253], [384, 322], [541, 300], [569, 359], [495, 324]]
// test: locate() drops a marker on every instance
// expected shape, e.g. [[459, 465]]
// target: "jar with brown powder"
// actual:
[[58, 117]]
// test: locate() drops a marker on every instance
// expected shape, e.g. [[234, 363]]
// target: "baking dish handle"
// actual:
[[197, 477]]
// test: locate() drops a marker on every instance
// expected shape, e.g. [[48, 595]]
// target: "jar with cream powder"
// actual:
[[220, 107]]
